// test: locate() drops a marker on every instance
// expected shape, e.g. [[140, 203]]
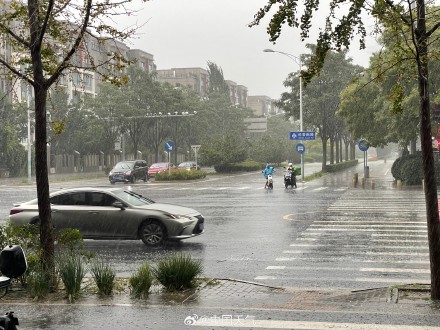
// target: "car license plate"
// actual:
[[118, 177], [201, 226]]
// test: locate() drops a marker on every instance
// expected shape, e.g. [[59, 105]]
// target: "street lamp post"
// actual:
[[297, 60], [29, 151]]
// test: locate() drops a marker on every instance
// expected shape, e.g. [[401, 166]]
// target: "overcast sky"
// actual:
[[188, 33]]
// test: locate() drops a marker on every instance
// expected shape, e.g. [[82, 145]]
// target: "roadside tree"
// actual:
[[46, 44], [412, 29]]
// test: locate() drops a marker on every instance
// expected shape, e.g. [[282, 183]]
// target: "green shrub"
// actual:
[[179, 174], [408, 169], [178, 271], [248, 166], [72, 271], [141, 281], [340, 166], [104, 276], [412, 171], [38, 283]]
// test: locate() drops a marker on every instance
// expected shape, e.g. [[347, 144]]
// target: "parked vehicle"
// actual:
[[188, 166], [13, 264], [8, 321], [159, 167], [289, 178], [114, 213], [129, 171]]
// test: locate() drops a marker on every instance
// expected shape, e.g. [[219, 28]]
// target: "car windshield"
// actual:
[[132, 198], [159, 165], [123, 166]]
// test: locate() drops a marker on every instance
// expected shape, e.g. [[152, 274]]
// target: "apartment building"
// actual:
[[197, 79], [261, 105]]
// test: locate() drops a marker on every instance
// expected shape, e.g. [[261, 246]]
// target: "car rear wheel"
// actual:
[[152, 233]]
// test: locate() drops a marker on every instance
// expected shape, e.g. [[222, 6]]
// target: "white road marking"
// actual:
[[396, 270], [231, 322]]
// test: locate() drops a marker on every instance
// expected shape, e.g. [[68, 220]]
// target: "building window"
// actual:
[[88, 79]]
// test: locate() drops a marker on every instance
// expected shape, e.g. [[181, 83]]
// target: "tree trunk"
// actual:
[[346, 145], [46, 229], [340, 150], [427, 152], [40, 89], [324, 154], [332, 151], [337, 150]]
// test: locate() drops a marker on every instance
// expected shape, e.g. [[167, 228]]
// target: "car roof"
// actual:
[[87, 189]]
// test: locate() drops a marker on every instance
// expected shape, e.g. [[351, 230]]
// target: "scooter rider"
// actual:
[[293, 176], [269, 170]]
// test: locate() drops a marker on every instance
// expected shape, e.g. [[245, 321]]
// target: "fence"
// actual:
[[96, 163]]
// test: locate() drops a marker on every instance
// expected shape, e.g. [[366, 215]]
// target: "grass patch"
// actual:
[[38, 284], [72, 271], [178, 272], [104, 276], [141, 282]]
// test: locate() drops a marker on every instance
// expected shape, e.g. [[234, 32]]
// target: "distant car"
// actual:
[[159, 167], [188, 166], [129, 171], [114, 213]]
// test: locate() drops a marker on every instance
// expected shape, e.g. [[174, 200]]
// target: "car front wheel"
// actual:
[[152, 233]]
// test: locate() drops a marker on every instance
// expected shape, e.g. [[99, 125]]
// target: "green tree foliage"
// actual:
[[12, 153], [223, 150], [321, 98], [217, 82], [411, 32], [46, 35]]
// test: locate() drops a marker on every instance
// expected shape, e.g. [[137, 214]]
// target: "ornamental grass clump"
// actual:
[[141, 281], [38, 283], [104, 276], [178, 272], [71, 269]]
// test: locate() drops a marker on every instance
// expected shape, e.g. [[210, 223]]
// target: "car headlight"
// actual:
[[128, 173], [179, 217]]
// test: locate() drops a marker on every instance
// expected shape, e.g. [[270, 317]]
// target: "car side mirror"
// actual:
[[119, 205]]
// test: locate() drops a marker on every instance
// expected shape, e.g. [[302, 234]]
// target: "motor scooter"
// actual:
[[8, 321], [13, 264], [269, 182], [289, 179]]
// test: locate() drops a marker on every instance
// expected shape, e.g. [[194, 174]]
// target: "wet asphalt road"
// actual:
[[324, 235]]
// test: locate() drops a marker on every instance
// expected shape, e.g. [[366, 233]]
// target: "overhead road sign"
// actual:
[[306, 135]]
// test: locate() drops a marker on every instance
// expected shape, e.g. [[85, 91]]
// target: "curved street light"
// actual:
[[297, 60]]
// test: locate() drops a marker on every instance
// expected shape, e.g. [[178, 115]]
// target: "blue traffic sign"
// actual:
[[300, 148], [169, 146], [309, 135], [363, 145]]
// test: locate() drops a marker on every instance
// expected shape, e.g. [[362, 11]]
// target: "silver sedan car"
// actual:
[[114, 213]]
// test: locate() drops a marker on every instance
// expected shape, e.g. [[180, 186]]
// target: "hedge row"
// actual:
[[340, 166], [180, 175], [248, 166]]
